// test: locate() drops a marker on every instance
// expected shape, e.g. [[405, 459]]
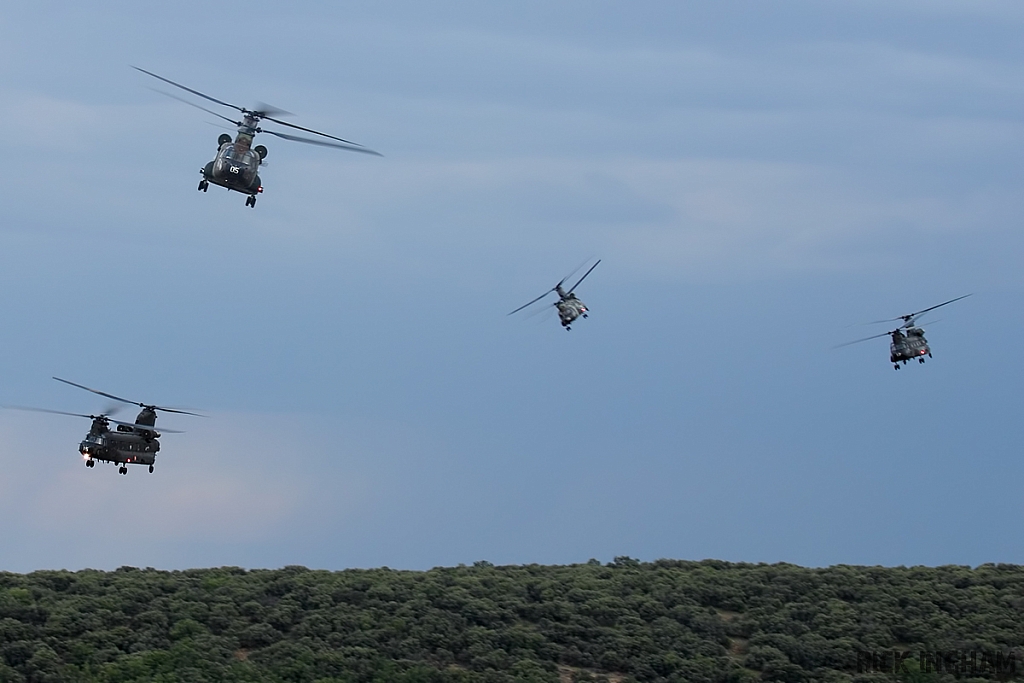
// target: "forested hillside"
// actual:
[[626, 620]]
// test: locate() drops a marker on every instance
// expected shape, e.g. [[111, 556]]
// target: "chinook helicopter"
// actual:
[[237, 162], [569, 307], [908, 341], [132, 443]]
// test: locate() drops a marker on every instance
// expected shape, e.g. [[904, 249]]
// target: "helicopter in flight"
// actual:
[[131, 443], [237, 162], [908, 341], [569, 307]]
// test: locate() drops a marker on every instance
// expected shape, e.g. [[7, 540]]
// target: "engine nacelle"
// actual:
[[223, 139], [261, 150]]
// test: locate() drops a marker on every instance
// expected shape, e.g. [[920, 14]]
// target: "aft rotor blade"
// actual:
[[914, 315], [584, 277], [310, 130], [183, 87], [532, 302], [55, 412], [124, 400], [101, 393], [193, 104], [350, 146], [148, 428], [858, 341], [173, 410], [571, 273], [264, 110]]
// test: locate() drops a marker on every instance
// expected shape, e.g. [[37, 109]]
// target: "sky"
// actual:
[[759, 180]]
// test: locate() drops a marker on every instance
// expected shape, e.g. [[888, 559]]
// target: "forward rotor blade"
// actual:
[[194, 92], [193, 104], [533, 302], [55, 412], [101, 393], [584, 277], [94, 417], [350, 146], [858, 341]]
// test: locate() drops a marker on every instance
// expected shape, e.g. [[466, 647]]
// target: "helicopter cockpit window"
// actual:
[[238, 162]]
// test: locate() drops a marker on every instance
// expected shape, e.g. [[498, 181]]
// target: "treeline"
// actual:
[[698, 622]]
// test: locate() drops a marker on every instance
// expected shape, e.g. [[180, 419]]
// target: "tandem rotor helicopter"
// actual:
[[237, 162], [910, 344], [132, 443], [569, 307]]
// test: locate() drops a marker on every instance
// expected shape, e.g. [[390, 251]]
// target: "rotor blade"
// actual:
[[113, 409], [858, 341], [546, 309], [174, 410], [194, 92], [124, 400], [571, 273], [193, 104], [584, 277], [310, 130], [94, 417], [350, 146], [533, 302], [265, 110], [147, 428], [47, 410], [914, 315], [101, 393]]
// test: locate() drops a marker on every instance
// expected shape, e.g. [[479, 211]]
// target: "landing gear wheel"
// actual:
[[568, 329], [122, 470], [204, 185], [585, 315], [920, 360], [151, 469], [251, 201], [89, 463], [896, 366]]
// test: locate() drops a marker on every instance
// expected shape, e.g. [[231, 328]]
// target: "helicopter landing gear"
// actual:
[[568, 329], [122, 470], [251, 201], [920, 360], [151, 469], [929, 354], [204, 185], [90, 463], [585, 315], [896, 366]]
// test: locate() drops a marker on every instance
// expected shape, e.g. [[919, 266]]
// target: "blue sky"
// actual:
[[757, 178]]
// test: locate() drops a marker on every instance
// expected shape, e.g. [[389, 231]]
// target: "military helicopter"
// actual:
[[237, 162], [909, 344], [569, 307], [132, 443]]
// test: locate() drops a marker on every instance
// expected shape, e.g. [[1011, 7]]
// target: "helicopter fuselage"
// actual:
[[570, 308], [235, 167], [122, 447], [909, 346]]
